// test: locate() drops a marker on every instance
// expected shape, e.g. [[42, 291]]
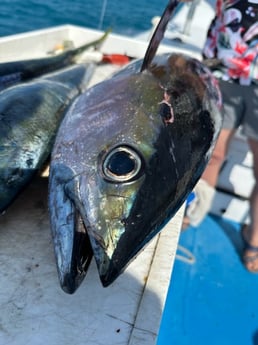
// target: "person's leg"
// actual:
[[205, 189], [250, 129], [233, 108], [211, 172], [251, 232]]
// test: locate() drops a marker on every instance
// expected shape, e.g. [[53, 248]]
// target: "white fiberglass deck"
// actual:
[[235, 183], [34, 309]]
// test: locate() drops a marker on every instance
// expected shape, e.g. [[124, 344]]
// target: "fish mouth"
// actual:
[[80, 259], [73, 254], [78, 235], [72, 246]]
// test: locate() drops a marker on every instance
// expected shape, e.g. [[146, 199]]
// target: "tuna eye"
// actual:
[[122, 164]]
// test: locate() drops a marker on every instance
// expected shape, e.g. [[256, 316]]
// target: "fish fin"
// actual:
[[158, 34]]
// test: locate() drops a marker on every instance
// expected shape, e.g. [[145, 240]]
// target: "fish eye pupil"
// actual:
[[121, 163]]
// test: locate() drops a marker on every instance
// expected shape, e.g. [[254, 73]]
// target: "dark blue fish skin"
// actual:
[[30, 114], [125, 169]]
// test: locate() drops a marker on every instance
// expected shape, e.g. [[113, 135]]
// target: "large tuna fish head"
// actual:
[[126, 156]]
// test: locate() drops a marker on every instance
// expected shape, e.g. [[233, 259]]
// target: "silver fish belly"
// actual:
[[126, 156], [30, 114]]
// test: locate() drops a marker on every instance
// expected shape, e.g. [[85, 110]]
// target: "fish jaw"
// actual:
[[71, 242], [99, 208], [104, 207]]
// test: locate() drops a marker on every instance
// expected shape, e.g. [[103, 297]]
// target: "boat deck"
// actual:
[[34, 309], [213, 301]]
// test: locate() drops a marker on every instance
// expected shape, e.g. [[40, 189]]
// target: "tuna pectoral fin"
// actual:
[[71, 243]]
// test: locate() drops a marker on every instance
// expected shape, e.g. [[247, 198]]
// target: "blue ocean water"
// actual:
[[125, 17]]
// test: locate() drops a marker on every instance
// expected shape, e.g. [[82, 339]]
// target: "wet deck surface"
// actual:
[[34, 309]]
